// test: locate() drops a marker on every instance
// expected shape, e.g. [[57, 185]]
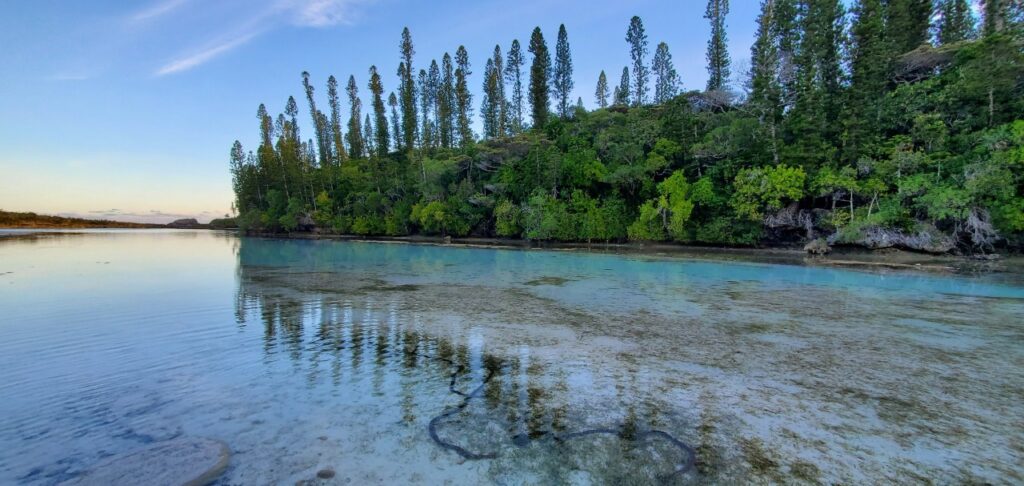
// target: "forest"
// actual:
[[887, 123]]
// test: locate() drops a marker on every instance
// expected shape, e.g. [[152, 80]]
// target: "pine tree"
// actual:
[[718, 46], [666, 80], [995, 14], [765, 85], [907, 23], [369, 136], [381, 140], [601, 93], [637, 39], [335, 121], [407, 90], [956, 21], [540, 70], [870, 67], [434, 89], [488, 107], [463, 98], [501, 102], [356, 144], [514, 76], [579, 104], [622, 91], [321, 131], [397, 137], [446, 103], [561, 82], [426, 104]]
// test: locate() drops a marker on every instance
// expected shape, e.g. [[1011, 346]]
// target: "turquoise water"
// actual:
[[303, 355]]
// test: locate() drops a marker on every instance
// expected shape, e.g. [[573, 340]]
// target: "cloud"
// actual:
[[273, 15], [156, 10], [322, 13], [195, 59]]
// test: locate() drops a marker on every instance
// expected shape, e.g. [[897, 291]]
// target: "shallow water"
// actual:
[[393, 363]]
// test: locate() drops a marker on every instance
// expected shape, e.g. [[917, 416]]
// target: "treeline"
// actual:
[[897, 122]]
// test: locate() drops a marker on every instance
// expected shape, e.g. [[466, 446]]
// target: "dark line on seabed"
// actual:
[[691, 454]]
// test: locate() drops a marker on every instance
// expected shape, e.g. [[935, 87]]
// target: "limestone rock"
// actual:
[[818, 246]]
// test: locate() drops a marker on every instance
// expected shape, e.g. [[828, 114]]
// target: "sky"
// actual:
[[128, 109]]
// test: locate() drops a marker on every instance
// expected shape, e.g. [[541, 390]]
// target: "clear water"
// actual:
[[308, 355]]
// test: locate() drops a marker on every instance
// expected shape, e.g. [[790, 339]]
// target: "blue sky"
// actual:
[[128, 109]]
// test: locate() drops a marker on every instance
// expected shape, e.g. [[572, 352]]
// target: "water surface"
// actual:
[[394, 363]]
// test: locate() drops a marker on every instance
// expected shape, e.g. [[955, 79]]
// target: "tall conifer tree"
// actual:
[[601, 93], [718, 46], [499, 91], [870, 66], [637, 39], [335, 121], [561, 82], [356, 144], [907, 23], [540, 71], [622, 91], [381, 140], [426, 104], [666, 80], [407, 90], [446, 102], [514, 76], [398, 140], [956, 21], [463, 98]]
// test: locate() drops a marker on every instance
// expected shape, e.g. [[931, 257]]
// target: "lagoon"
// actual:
[[398, 363]]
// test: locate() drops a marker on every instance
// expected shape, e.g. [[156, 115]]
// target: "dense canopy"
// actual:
[[882, 125]]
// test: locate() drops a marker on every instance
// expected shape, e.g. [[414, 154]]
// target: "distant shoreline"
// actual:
[[30, 220]]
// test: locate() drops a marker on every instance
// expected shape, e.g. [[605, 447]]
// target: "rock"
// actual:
[[189, 461], [183, 223], [818, 246], [325, 473], [447, 240], [925, 238]]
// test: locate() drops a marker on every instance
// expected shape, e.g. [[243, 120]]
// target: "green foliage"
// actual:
[[845, 134], [766, 189]]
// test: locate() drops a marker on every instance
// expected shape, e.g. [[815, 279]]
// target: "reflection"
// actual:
[[471, 401]]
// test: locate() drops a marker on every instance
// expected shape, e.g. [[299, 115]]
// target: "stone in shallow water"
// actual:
[[189, 462]]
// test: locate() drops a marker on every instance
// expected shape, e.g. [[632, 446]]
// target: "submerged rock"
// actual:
[[189, 461]]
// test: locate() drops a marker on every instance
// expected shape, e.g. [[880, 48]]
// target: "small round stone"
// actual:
[[325, 473]]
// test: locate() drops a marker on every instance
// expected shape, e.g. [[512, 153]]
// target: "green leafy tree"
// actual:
[[764, 189]]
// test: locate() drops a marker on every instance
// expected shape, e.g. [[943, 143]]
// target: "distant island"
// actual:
[[42, 221]]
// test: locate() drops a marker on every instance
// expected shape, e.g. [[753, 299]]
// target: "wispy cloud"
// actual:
[[273, 15], [322, 13], [192, 60], [156, 10]]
